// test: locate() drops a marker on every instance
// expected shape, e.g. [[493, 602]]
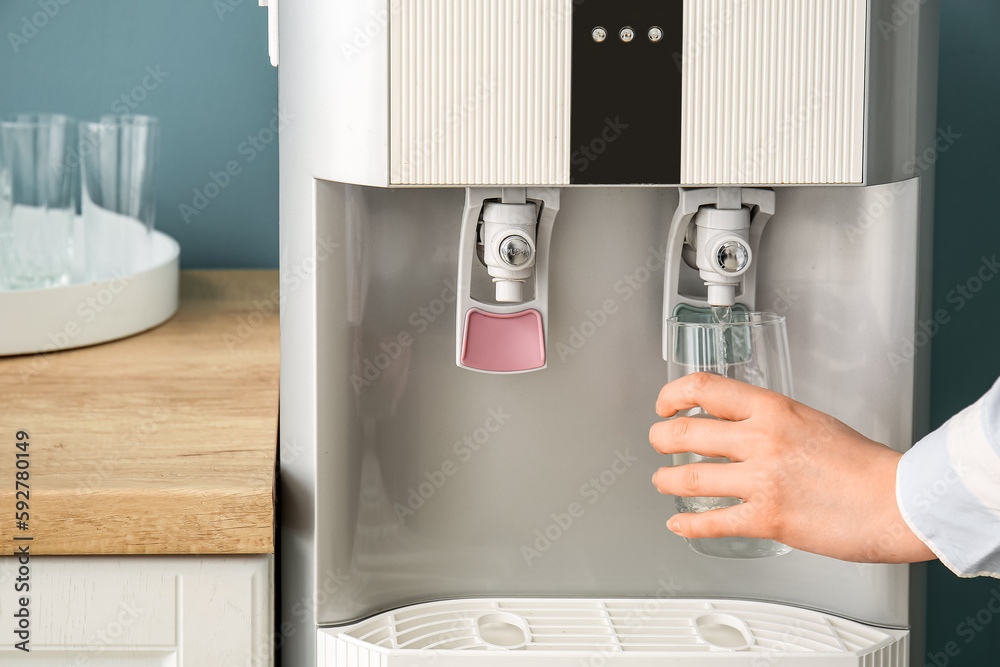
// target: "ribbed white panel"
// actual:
[[480, 92], [774, 91]]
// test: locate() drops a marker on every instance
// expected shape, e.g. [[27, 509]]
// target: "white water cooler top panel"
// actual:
[[556, 92]]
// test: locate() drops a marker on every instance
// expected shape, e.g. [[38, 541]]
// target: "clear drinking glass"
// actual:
[[119, 156], [751, 348], [37, 200]]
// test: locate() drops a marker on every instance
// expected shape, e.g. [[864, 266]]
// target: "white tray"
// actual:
[[631, 633], [62, 318]]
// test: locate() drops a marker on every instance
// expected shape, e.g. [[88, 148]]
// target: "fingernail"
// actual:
[[673, 525]]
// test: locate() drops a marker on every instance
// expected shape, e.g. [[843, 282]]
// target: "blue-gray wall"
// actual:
[[213, 90], [219, 91], [965, 353]]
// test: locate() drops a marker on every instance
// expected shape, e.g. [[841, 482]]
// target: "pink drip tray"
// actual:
[[503, 343]]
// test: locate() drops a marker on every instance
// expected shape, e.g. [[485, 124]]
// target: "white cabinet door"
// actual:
[[140, 611]]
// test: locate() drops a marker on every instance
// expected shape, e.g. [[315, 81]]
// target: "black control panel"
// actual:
[[626, 106]]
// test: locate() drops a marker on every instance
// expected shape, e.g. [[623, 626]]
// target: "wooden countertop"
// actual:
[[162, 443]]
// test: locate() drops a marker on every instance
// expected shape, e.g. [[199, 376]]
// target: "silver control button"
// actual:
[[627, 34], [733, 257], [655, 34], [515, 251], [599, 34]]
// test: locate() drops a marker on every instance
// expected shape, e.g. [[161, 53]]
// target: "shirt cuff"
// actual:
[[948, 491]]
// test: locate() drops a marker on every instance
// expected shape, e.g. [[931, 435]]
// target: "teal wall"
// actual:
[[220, 90], [965, 356], [214, 90]]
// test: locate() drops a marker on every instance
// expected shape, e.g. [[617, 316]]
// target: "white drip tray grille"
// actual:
[[593, 633]]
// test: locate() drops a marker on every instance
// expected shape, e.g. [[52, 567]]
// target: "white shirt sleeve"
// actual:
[[948, 489]]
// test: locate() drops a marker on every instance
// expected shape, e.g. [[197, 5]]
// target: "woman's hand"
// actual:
[[806, 479]]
